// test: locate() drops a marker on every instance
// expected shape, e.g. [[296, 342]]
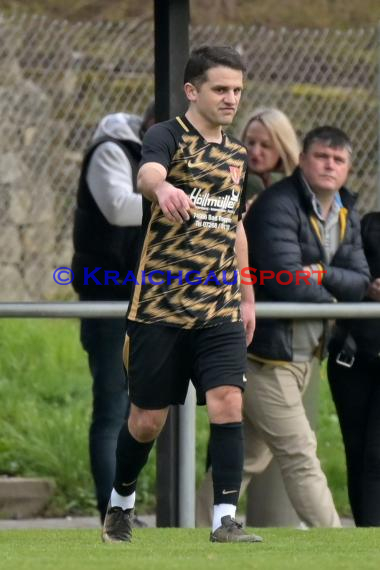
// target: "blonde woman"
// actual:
[[272, 147], [273, 152]]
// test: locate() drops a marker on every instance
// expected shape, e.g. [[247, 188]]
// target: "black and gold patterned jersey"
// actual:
[[187, 274]]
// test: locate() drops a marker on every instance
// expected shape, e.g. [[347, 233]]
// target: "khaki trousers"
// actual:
[[275, 425]]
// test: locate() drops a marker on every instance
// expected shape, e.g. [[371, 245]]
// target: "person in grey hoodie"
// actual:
[[107, 223]]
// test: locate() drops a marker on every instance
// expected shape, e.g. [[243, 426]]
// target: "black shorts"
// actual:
[[161, 360]]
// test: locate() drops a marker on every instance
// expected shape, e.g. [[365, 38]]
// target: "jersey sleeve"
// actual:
[[243, 197], [159, 145]]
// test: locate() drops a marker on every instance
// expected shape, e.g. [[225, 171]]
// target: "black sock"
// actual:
[[131, 456], [227, 456]]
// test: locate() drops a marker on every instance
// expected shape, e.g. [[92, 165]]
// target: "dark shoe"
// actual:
[[232, 531], [117, 525], [138, 523]]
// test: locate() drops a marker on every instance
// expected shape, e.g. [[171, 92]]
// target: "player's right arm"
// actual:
[[158, 149], [174, 203]]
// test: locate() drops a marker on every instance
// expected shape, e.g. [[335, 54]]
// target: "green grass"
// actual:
[[188, 549], [45, 393], [330, 448]]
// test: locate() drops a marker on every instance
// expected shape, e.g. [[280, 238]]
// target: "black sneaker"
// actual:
[[232, 531], [117, 525]]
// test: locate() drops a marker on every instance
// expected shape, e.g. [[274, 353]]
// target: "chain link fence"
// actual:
[[57, 79]]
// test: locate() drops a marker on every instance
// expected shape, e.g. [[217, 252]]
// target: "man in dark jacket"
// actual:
[[353, 371], [107, 229], [304, 233]]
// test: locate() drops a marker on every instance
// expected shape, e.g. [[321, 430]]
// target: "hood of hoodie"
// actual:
[[122, 126]]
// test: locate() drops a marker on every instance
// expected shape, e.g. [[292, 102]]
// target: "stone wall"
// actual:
[[31, 240]]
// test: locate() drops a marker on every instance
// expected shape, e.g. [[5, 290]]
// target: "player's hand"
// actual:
[[248, 316], [174, 203]]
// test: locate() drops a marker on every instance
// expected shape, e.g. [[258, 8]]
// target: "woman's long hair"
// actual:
[[282, 132]]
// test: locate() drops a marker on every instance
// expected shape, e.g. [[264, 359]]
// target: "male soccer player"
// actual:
[[196, 321], [107, 225]]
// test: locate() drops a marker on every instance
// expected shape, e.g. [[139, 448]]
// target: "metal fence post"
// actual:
[[187, 464], [171, 19]]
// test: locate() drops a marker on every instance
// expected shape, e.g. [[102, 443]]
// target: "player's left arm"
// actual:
[[247, 293]]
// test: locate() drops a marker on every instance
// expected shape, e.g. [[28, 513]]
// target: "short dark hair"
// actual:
[[206, 57], [329, 136]]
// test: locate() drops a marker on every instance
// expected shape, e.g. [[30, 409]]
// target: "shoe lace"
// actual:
[[234, 524]]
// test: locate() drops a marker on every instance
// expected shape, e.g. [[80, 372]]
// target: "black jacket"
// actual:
[[282, 233], [97, 243], [366, 332]]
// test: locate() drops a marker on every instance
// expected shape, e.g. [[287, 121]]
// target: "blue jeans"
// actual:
[[103, 340]]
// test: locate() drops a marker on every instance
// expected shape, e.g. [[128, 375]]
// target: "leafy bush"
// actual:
[[45, 390]]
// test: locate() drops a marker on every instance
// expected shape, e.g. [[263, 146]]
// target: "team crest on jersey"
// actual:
[[235, 172]]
